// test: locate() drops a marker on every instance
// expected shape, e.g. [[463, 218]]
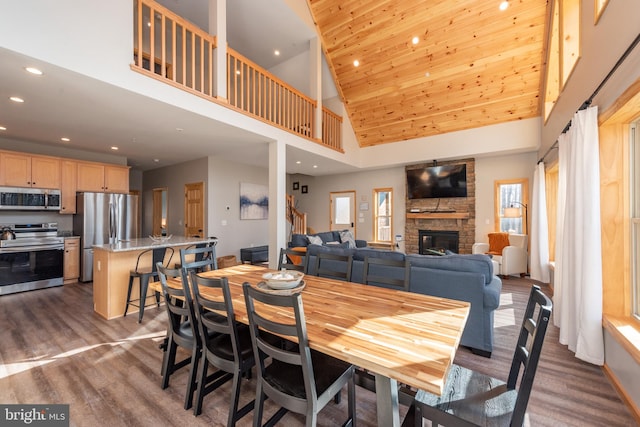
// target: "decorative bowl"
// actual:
[[159, 239], [284, 279]]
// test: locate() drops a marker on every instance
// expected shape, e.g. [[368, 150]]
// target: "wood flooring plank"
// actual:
[[55, 349]]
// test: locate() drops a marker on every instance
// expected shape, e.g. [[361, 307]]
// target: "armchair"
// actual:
[[508, 251]]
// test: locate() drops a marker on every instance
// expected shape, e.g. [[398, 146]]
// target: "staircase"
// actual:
[[297, 220]]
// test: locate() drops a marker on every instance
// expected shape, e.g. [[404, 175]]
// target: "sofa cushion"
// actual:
[[477, 263], [299, 240], [334, 249], [347, 237], [361, 253], [315, 240]]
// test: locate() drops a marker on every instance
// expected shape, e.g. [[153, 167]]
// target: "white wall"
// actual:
[[490, 169], [224, 191]]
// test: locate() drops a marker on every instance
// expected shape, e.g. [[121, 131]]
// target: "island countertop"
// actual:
[[148, 243], [113, 263]]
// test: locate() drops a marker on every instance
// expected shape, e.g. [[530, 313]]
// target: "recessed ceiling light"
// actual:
[[3, 128], [415, 40], [276, 52], [65, 139], [179, 129], [298, 162], [504, 5], [356, 63], [427, 74], [238, 72], [114, 148], [16, 99], [156, 160], [34, 70], [315, 166]]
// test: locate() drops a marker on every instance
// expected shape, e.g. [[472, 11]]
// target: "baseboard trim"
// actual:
[[635, 411]]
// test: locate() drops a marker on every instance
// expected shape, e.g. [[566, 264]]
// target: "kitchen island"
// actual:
[[113, 262]]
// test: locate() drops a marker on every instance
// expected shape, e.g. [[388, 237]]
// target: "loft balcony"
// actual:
[[175, 51]]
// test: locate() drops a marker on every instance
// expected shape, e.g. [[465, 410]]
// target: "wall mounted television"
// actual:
[[437, 182]]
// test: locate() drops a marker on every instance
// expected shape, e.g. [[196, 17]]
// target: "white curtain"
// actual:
[[578, 278], [539, 267]]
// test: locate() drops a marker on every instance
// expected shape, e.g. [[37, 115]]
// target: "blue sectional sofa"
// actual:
[[461, 277], [328, 238]]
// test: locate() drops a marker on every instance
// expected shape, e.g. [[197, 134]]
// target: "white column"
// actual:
[[277, 200], [218, 27], [315, 80]]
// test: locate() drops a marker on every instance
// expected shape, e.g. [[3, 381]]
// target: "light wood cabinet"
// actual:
[[100, 177], [68, 183], [116, 179], [24, 170], [71, 268]]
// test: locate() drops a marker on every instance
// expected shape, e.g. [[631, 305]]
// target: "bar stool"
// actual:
[[144, 274]]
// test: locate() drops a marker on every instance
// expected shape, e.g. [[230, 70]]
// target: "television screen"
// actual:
[[437, 182]]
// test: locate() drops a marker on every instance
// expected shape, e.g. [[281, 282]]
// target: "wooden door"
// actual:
[[194, 209], [159, 222], [343, 211]]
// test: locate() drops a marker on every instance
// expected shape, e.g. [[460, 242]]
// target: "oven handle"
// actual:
[[32, 248]]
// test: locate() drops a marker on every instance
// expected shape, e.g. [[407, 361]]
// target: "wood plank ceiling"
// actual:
[[474, 65]]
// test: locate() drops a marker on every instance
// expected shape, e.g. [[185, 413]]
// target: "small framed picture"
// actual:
[[296, 185], [305, 189]]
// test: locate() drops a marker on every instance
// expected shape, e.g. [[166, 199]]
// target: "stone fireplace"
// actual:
[[449, 215], [439, 241]]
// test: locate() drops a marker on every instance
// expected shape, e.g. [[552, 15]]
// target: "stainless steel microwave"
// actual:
[[32, 199]]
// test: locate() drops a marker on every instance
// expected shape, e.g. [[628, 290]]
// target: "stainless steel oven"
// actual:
[[33, 260]]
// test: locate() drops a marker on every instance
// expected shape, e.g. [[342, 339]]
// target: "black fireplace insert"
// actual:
[[435, 242]]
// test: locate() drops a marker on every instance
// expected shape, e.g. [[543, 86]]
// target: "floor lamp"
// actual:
[[515, 212]]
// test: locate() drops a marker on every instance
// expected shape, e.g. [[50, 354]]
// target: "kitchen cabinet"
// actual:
[[71, 269], [24, 170], [68, 186], [99, 177]]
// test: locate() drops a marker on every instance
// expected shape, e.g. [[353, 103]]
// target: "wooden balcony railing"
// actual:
[[170, 48], [182, 53], [331, 129], [261, 94]]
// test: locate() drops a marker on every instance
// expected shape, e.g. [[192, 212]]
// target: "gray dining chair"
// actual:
[[287, 258], [297, 378], [333, 266], [386, 273], [474, 399], [199, 258], [226, 344], [180, 332]]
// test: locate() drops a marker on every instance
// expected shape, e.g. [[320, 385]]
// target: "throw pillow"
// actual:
[[347, 237], [314, 240], [497, 242]]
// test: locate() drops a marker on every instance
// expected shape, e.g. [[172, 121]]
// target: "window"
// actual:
[[635, 216], [383, 217], [511, 205]]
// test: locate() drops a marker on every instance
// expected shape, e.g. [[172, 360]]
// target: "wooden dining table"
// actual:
[[400, 337]]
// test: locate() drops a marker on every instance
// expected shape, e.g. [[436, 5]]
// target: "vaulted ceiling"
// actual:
[[470, 65]]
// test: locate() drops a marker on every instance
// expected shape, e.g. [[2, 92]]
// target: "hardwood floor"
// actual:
[[55, 349]]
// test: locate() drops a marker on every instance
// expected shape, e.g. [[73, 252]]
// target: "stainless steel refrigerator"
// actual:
[[103, 218]]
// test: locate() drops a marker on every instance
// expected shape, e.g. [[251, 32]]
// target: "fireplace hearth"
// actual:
[[430, 241]]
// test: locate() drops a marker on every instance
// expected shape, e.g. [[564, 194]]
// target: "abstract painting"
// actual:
[[254, 201]]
